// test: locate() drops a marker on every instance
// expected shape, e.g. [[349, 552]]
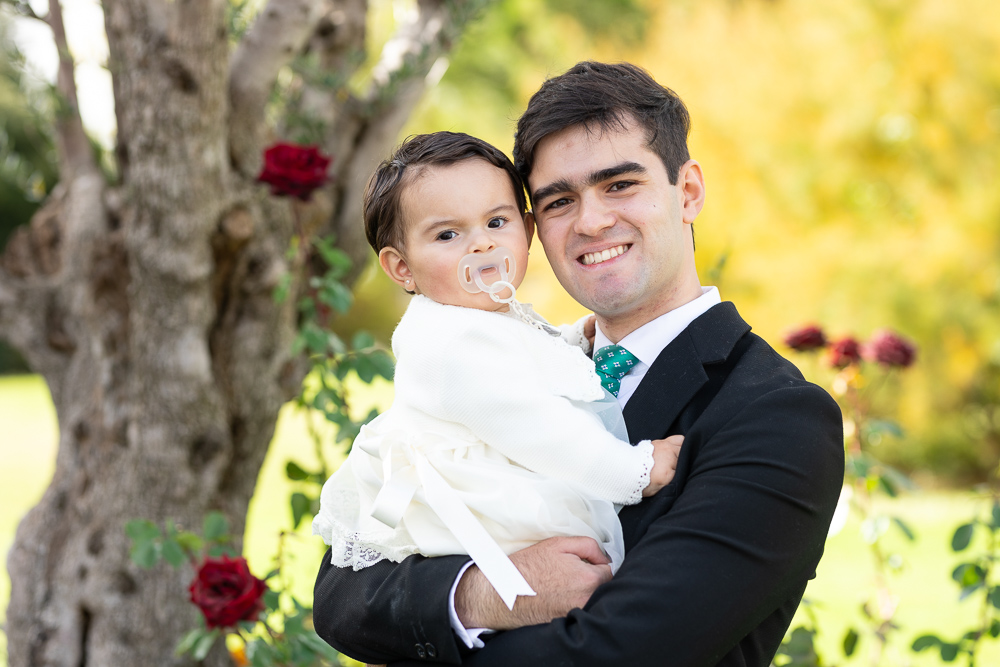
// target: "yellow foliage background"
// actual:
[[851, 151]]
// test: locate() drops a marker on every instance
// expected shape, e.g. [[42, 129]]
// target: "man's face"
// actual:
[[614, 229]]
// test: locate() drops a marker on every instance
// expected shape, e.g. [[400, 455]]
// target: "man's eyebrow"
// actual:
[[593, 179]]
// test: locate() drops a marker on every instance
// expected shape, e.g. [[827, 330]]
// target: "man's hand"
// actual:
[[563, 571]]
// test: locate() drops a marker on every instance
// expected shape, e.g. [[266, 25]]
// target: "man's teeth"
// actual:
[[604, 255]]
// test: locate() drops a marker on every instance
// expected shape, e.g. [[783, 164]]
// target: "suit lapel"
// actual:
[[675, 377], [679, 371]]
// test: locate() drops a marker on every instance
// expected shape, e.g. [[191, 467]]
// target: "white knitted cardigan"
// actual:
[[513, 386]]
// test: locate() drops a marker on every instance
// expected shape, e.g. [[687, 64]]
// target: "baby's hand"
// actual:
[[665, 453]]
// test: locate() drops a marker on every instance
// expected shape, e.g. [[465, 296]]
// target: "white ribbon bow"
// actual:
[[400, 484]]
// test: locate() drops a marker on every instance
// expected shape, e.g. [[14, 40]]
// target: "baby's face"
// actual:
[[452, 211]]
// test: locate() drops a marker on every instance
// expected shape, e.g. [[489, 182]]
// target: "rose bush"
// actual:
[[294, 171], [226, 592]]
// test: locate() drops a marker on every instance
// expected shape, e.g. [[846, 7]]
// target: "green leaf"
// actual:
[[995, 597], [970, 577], [294, 472], [850, 642], [204, 644], [271, 599], [189, 640], [190, 542], [317, 645], [315, 338], [995, 515], [337, 296], [173, 553], [887, 486], [949, 652], [906, 530], [300, 506], [362, 340], [962, 537], [924, 642], [995, 628], [146, 554], [365, 369], [142, 529], [383, 364], [216, 525]]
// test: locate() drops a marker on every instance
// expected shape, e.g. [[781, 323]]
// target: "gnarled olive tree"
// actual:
[[146, 303]]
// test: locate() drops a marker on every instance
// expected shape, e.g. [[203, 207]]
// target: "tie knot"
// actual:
[[612, 363]]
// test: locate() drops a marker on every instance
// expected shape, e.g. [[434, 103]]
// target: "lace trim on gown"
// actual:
[[354, 549]]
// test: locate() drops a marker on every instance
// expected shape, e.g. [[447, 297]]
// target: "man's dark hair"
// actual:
[[382, 209], [605, 96]]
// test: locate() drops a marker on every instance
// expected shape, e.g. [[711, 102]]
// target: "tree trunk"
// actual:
[[147, 304]]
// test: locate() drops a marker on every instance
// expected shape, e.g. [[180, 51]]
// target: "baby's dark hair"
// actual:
[[383, 197]]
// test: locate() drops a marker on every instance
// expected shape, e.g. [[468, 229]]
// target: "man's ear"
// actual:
[[529, 226], [395, 266], [691, 183]]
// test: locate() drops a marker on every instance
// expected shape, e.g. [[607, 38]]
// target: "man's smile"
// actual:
[[598, 257]]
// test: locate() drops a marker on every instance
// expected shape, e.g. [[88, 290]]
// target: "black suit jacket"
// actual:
[[715, 564]]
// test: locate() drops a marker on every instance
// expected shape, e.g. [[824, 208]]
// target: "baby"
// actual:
[[493, 441]]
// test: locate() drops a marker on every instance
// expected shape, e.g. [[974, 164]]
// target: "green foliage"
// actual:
[[332, 360], [150, 544], [976, 578], [28, 169]]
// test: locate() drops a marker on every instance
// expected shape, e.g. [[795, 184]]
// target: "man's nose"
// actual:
[[595, 216]]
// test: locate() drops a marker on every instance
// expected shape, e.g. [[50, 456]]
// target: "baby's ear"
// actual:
[[529, 226], [395, 266]]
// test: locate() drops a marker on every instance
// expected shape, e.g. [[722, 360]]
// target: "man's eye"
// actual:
[[621, 185], [558, 203], [446, 235], [497, 222]]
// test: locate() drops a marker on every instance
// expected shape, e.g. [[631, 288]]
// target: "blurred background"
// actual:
[[852, 154]]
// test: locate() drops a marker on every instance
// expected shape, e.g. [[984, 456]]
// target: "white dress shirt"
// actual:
[[645, 343]]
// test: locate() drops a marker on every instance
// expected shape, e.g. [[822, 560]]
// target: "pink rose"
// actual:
[[226, 592], [806, 339], [294, 171], [889, 349]]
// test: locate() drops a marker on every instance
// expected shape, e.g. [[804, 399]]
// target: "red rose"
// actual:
[[226, 592], [294, 170], [806, 339], [844, 352], [890, 349]]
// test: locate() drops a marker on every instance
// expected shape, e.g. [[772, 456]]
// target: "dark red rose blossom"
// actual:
[[844, 352], [293, 170], [806, 339], [889, 349], [226, 592]]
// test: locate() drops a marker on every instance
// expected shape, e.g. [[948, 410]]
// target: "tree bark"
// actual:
[[147, 303]]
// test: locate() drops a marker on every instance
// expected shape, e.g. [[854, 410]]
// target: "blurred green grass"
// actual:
[[928, 599]]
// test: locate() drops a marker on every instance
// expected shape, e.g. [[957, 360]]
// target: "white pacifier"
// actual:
[[491, 272]]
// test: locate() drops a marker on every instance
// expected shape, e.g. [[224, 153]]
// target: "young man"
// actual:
[[716, 563]]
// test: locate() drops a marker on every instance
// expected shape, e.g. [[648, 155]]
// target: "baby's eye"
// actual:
[[497, 222], [446, 235]]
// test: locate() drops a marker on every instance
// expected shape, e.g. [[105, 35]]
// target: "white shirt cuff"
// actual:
[[469, 636]]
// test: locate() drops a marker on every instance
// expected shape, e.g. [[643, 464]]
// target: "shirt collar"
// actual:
[[648, 341]]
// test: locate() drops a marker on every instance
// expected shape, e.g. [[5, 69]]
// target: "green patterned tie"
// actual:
[[613, 363]]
